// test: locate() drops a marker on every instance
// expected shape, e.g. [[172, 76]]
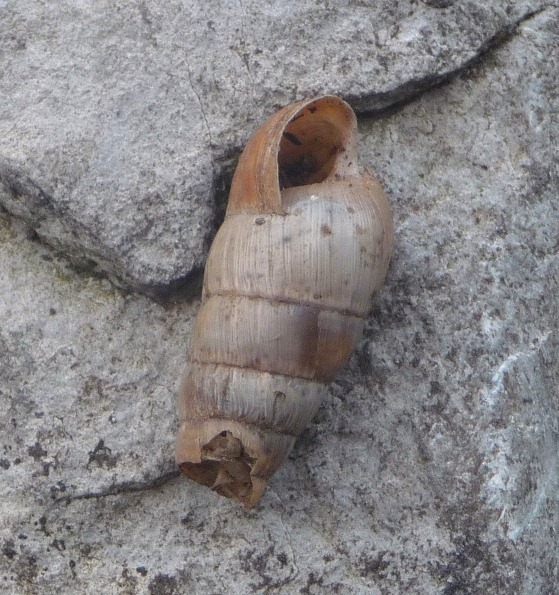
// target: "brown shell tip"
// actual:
[[226, 469], [236, 467]]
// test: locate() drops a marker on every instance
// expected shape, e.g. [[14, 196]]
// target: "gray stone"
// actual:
[[118, 122], [431, 468]]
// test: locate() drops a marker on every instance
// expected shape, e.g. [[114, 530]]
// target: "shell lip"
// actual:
[[306, 142]]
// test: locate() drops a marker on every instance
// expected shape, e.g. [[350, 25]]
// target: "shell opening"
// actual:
[[309, 147]]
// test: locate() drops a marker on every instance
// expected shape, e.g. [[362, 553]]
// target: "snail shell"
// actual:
[[288, 284]]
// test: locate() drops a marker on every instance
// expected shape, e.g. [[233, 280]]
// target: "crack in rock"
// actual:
[[126, 487], [413, 89]]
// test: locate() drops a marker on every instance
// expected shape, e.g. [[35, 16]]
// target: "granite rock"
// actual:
[[432, 466], [119, 122]]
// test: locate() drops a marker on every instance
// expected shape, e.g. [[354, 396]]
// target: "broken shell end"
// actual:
[[232, 458]]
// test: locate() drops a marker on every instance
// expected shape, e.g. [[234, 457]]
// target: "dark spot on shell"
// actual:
[[325, 230], [279, 399], [350, 209], [259, 221], [292, 138], [312, 109]]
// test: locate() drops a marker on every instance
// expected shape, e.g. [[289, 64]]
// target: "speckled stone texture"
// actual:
[[119, 121], [432, 466]]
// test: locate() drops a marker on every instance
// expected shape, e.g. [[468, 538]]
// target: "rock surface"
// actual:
[[119, 121], [431, 468]]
